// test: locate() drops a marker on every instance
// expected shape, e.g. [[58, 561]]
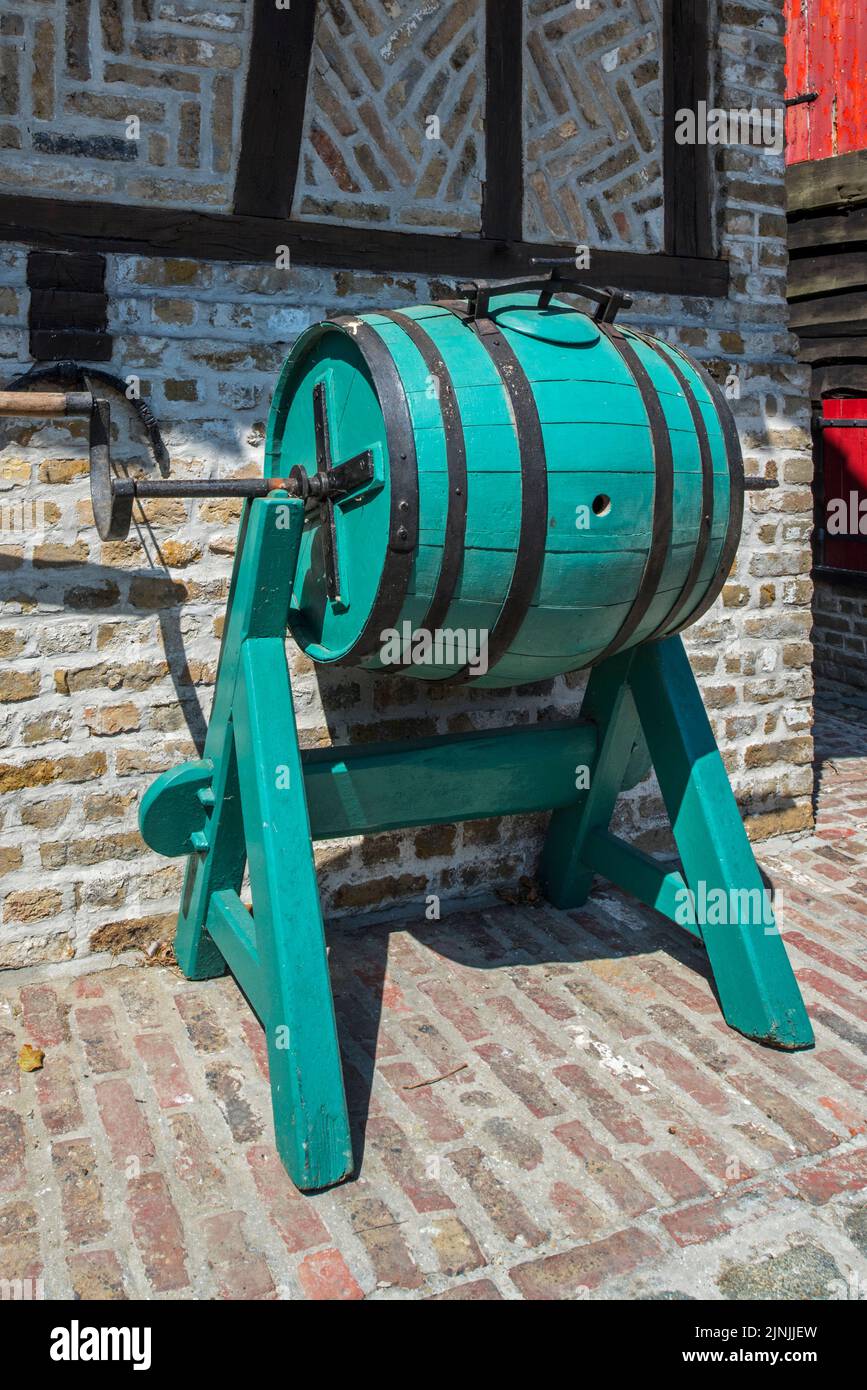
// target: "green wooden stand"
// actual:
[[654, 691], [256, 798]]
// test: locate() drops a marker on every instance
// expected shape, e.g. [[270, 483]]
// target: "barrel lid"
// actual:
[[327, 361], [559, 324]]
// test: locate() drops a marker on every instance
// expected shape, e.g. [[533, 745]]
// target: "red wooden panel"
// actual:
[[845, 476], [797, 81], [826, 44]]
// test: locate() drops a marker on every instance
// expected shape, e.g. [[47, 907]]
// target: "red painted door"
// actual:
[[826, 43], [844, 474]]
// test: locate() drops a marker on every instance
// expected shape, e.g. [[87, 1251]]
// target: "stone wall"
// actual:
[[109, 650]]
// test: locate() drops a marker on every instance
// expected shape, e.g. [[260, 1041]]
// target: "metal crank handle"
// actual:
[[227, 487], [113, 497]]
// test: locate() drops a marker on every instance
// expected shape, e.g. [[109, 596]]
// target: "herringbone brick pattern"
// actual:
[[546, 1104], [594, 123], [394, 124], [77, 75]]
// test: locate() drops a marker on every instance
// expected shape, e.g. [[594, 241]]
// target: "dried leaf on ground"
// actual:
[[31, 1058]]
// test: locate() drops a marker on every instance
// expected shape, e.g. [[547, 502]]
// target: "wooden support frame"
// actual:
[[758, 993], [256, 798], [244, 802]]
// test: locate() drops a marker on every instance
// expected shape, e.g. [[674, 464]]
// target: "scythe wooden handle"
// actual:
[[45, 402]]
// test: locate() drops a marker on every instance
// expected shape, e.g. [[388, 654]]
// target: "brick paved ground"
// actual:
[[607, 1131]]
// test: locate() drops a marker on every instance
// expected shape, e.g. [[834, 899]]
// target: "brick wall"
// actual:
[[594, 124], [73, 73], [840, 632], [109, 651], [379, 72]]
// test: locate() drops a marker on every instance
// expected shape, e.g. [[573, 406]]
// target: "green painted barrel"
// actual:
[[545, 490]]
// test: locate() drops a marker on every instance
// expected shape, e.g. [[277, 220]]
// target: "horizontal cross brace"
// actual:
[[367, 789], [362, 790]]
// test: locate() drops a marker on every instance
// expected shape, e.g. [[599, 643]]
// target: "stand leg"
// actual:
[[310, 1117], [222, 866], [254, 808], [608, 702], [757, 987]]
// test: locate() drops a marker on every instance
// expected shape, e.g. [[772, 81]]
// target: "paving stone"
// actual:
[[97, 1275], [667, 1295], [804, 1272], [479, 1291], [856, 1228], [573, 1273]]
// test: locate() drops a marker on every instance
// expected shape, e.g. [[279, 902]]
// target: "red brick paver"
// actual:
[[601, 1134]]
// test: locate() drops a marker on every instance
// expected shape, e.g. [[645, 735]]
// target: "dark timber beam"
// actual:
[[686, 169], [825, 184], [152, 231], [275, 96], [503, 192]]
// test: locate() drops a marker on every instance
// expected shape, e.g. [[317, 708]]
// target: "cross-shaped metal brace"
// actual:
[[329, 483]]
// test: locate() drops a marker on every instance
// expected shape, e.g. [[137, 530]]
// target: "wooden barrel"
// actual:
[[546, 490]]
